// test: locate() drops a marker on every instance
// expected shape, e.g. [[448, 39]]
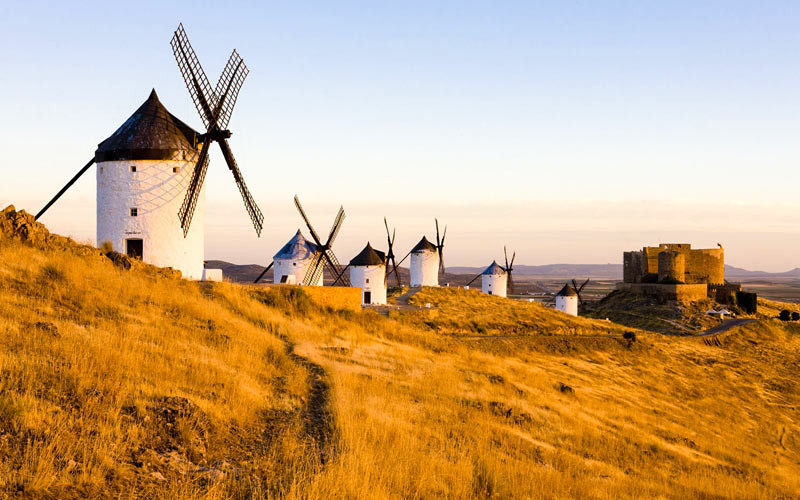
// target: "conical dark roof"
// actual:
[[494, 269], [567, 291], [369, 257], [151, 133], [424, 245]]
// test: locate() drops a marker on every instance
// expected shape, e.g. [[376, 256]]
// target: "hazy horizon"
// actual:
[[570, 133]]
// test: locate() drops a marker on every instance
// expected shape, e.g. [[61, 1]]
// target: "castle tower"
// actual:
[[671, 267], [368, 272], [424, 264], [293, 259], [494, 280], [567, 301], [143, 171]]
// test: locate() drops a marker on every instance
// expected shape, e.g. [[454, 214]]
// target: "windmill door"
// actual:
[[134, 248], [368, 297]]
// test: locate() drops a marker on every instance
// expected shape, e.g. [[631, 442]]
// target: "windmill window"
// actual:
[[134, 212], [133, 168], [367, 280], [294, 263], [175, 170]]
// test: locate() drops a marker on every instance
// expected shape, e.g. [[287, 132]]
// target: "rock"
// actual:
[[158, 476], [119, 260], [47, 327]]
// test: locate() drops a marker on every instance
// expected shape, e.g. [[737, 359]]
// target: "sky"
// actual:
[[570, 131]]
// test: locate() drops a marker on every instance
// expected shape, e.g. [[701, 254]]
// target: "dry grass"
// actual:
[[485, 398]]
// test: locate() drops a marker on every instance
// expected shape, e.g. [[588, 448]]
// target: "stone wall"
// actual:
[[663, 292]]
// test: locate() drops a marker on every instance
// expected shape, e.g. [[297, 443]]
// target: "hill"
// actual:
[[121, 382]]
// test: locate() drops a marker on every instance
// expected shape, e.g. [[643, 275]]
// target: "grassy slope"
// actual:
[[111, 380], [426, 404]]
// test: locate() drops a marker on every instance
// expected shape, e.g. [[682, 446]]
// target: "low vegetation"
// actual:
[[122, 383]]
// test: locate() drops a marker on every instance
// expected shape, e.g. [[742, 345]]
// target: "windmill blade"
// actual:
[[337, 225], [308, 223], [228, 86], [513, 256], [583, 285], [314, 270], [255, 213], [473, 279], [577, 291], [203, 96], [264, 272], [505, 254], [510, 282], [440, 246], [403, 259], [396, 273], [64, 189], [186, 211], [341, 275], [334, 267]]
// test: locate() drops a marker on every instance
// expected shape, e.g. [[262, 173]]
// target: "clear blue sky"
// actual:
[[569, 130]]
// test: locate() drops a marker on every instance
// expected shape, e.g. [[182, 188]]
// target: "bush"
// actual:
[[795, 316], [785, 315], [747, 301]]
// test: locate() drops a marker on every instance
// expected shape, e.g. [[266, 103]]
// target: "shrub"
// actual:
[[785, 315], [747, 301], [53, 273], [795, 316]]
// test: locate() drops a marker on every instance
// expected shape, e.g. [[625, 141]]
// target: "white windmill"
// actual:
[[368, 272], [151, 171], [494, 280], [293, 260]]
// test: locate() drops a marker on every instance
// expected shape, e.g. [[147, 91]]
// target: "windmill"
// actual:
[[390, 254], [509, 268], [324, 257], [215, 107], [579, 289], [440, 245]]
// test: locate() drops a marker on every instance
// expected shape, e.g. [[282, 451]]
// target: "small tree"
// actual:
[[785, 315], [747, 301]]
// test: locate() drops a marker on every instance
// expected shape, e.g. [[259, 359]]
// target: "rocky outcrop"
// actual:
[[22, 226]]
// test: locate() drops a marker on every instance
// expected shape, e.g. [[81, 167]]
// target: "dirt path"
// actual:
[[403, 299], [316, 414]]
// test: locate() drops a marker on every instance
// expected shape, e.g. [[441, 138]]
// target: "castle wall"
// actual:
[[633, 267], [706, 266], [679, 293]]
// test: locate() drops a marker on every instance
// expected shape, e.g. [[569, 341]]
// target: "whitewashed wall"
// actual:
[[494, 284], [425, 268], [296, 267], [567, 304], [157, 193], [370, 279]]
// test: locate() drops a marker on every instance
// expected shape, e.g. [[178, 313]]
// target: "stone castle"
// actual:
[[675, 271], [675, 263]]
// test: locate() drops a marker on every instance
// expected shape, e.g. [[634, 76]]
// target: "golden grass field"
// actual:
[[133, 384]]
